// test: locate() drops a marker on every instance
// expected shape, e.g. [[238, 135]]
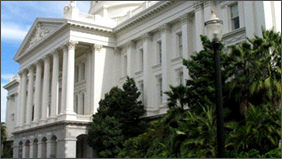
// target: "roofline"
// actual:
[[28, 35]]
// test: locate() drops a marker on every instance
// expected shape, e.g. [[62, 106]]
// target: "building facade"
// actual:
[[68, 64]]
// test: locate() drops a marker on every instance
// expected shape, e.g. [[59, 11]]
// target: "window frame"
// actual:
[[232, 24]]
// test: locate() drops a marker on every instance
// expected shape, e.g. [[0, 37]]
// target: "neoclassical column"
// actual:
[[96, 48], [48, 148], [88, 76], [166, 51], [70, 77], [24, 155], [38, 89], [30, 95], [199, 24], [64, 79], [55, 85], [147, 39], [130, 59], [18, 110], [46, 84], [187, 45], [40, 153], [23, 98]]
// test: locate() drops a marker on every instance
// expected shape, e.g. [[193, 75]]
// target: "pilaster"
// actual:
[[166, 51], [37, 100], [46, 84], [55, 85], [30, 95]]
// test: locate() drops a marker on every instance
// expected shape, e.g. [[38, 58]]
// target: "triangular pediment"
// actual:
[[41, 28]]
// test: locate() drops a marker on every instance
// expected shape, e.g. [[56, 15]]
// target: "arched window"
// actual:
[[44, 148], [35, 147], [20, 149], [83, 103], [53, 147], [27, 146]]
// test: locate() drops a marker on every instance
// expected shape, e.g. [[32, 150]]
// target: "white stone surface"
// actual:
[[106, 43]]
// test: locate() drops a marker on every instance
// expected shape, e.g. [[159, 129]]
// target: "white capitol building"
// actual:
[[67, 64]]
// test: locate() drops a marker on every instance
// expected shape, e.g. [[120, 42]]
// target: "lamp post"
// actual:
[[214, 33]]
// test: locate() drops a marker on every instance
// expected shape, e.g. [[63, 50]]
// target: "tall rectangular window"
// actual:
[[83, 70], [142, 91], [235, 24], [76, 73], [160, 90], [125, 65], [141, 59], [159, 52], [180, 49]]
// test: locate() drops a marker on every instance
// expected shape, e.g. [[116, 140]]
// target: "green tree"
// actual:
[[254, 71], [3, 136], [117, 119]]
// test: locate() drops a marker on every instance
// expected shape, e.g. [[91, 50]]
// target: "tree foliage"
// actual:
[[251, 77], [117, 119]]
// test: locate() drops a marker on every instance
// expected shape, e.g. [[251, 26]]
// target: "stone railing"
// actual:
[[16, 77], [137, 10], [87, 17]]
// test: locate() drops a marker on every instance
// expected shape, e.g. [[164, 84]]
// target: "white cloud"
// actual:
[[3, 102], [6, 76], [12, 32]]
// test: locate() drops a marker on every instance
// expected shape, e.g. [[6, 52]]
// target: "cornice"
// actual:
[[142, 15]]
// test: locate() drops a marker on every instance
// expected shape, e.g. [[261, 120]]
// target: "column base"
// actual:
[[42, 121], [67, 116], [26, 126], [34, 123], [52, 119]]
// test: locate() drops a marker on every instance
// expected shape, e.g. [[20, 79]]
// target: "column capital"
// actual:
[[165, 28], [198, 5], [71, 44], [55, 51], [23, 71], [9, 97], [39, 62], [146, 36], [46, 57], [208, 3], [185, 18], [30, 67], [130, 43], [96, 47], [117, 50]]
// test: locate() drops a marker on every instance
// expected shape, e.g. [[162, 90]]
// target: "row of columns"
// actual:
[[186, 28], [67, 87]]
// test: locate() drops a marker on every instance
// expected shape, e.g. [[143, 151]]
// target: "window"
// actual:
[[76, 73], [125, 65], [141, 87], [83, 99], [141, 61], [180, 50], [234, 17], [13, 116], [76, 104], [83, 70], [179, 76], [32, 115], [159, 52], [159, 90]]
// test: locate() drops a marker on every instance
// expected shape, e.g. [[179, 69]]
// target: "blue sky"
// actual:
[[16, 19]]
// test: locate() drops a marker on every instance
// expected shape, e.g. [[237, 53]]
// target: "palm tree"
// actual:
[[260, 130], [3, 132], [254, 68]]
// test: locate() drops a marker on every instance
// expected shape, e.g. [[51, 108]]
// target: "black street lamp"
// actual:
[[214, 33]]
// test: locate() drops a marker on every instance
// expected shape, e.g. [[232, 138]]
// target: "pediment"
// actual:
[[41, 28]]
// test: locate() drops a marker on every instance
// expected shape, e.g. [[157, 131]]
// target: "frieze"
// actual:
[[39, 33]]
